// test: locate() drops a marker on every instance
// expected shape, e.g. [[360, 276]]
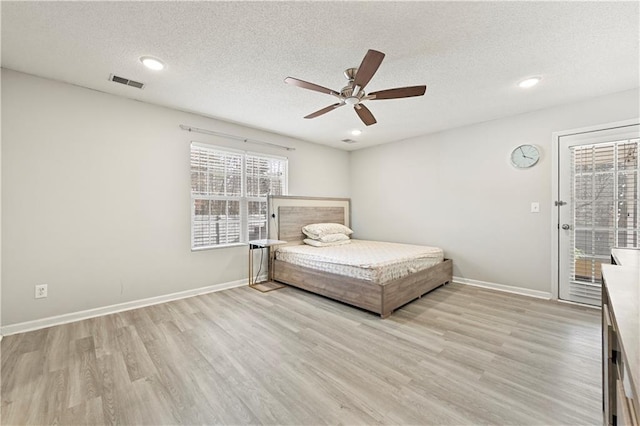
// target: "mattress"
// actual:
[[375, 261]]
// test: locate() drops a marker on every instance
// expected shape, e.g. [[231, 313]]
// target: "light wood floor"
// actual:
[[460, 355]]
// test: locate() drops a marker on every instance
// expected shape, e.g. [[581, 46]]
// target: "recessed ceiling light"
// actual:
[[529, 82], [152, 63], [356, 132]]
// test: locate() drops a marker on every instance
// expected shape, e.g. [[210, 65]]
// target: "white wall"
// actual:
[[95, 196], [0, 222], [457, 190]]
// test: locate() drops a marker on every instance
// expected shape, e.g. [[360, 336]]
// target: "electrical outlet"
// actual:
[[41, 291]]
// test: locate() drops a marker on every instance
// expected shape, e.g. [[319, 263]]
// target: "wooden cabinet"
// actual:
[[621, 338]]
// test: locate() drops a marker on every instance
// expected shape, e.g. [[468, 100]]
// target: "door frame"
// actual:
[[555, 191]]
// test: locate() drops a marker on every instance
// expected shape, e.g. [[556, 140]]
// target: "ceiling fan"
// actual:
[[353, 93]]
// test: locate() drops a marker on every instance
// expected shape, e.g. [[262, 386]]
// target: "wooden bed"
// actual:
[[287, 217]]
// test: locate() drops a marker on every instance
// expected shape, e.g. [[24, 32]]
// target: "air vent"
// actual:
[[126, 81], [349, 141]]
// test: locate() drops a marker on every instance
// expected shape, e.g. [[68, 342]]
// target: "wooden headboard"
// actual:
[[292, 219], [287, 215]]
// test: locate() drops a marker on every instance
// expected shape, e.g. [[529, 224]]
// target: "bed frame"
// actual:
[[288, 216]]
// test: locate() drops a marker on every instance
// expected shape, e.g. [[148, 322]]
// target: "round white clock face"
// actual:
[[525, 156]]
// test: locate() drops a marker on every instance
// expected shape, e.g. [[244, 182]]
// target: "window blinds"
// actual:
[[264, 176], [229, 192]]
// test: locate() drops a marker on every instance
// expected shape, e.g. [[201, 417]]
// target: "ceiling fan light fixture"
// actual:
[[356, 132], [152, 63], [529, 82], [352, 100]]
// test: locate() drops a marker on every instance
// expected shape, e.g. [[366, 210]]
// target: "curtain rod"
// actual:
[[224, 135]]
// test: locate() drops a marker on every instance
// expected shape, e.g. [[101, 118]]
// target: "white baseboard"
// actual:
[[583, 305], [112, 309], [505, 288]]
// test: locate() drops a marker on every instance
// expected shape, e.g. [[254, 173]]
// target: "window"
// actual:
[[229, 192]]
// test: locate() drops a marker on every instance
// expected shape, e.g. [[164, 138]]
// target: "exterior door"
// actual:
[[598, 206]]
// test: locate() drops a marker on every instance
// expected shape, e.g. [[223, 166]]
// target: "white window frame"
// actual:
[[244, 199]]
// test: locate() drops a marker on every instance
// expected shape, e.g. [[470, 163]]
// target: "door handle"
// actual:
[[566, 226]]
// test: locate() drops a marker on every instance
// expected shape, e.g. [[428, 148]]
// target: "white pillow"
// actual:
[[332, 238], [317, 230], [317, 243]]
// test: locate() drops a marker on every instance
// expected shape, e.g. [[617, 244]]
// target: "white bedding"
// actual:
[[374, 261]]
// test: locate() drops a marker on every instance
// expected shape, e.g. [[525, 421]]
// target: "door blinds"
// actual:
[[604, 190]]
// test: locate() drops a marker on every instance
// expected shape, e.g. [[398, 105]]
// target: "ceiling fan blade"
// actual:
[[310, 86], [365, 115], [368, 68], [400, 92], [324, 110]]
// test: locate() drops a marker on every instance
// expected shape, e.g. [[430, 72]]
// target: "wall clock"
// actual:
[[525, 156]]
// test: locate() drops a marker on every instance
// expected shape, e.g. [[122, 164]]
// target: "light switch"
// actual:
[[535, 207]]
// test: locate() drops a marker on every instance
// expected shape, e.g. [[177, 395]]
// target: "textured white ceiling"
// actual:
[[228, 59]]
